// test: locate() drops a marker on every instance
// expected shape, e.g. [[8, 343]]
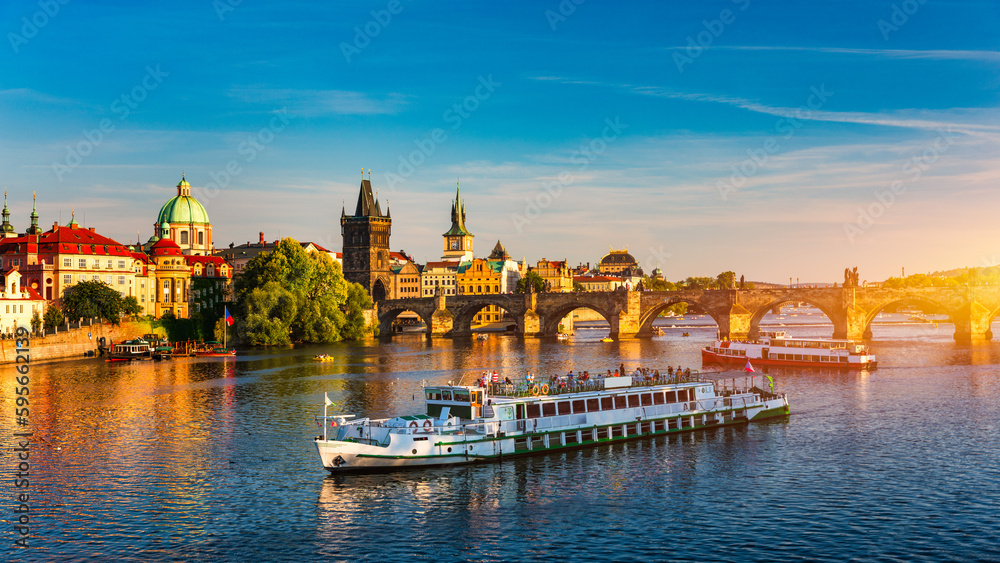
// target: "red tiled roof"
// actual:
[[453, 264], [66, 240], [165, 247], [584, 279]]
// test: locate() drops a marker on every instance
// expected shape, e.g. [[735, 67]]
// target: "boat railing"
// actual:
[[564, 385]]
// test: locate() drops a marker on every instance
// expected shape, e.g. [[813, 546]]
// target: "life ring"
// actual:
[[545, 389], [333, 424], [534, 390], [428, 423], [413, 424]]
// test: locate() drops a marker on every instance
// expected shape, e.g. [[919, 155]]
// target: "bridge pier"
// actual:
[[736, 324], [972, 323], [625, 323], [852, 324], [442, 321]]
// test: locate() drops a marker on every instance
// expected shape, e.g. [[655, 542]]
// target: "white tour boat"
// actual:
[[466, 424], [775, 348]]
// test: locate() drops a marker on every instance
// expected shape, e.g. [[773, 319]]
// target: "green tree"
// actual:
[[130, 306], [93, 299], [725, 280], [53, 318], [290, 295], [536, 281], [36, 321], [578, 287], [653, 284]]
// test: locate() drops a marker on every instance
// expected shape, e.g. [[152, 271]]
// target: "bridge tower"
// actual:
[[366, 243]]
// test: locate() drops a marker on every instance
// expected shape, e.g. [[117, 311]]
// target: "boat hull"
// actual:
[[430, 448], [708, 357]]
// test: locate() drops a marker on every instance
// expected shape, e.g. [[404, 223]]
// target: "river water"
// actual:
[[212, 459]]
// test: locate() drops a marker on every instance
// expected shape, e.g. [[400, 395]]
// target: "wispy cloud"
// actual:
[[313, 103], [934, 54]]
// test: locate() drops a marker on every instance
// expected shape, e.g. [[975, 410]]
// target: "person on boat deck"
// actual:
[[530, 378], [656, 374], [670, 370], [616, 373], [621, 369], [507, 381], [687, 372]]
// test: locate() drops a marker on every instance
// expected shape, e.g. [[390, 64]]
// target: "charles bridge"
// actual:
[[737, 312]]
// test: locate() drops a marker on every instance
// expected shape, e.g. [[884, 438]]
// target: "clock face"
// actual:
[[454, 244]]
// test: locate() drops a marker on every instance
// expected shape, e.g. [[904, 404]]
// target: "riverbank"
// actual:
[[77, 342]]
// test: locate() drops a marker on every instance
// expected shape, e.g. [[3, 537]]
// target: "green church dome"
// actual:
[[183, 208]]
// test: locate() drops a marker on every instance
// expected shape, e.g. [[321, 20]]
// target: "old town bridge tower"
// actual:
[[366, 244]]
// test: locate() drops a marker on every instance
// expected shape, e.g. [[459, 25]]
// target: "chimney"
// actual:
[[262, 238], [55, 226], [92, 229]]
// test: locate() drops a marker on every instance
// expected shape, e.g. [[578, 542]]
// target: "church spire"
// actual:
[[6, 229], [34, 229], [458, 216]]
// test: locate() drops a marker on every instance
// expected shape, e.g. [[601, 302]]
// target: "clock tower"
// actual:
[[458, 239]]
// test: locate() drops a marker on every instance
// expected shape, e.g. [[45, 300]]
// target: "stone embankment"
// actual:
[[75, 342]]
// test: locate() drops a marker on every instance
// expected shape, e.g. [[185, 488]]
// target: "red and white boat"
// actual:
[[775, 348]]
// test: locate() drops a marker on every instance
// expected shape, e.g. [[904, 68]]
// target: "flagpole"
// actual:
[[326, 403]]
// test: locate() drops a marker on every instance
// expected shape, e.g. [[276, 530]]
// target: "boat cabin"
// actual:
[[462, 402]]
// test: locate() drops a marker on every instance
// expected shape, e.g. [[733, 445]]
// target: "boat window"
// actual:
[[607, 404], [646, 399], [798, 357], [579, 406], [548, 409], [633, 400], [682, 395], [446, 395], [462, 396], [671, 396], [620, 402], [534, 411], [657, 398], [564, 407], [815, 358], [593, 405]]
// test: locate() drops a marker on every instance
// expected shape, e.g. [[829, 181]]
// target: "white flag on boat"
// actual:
[[748, 367], [326, 396]]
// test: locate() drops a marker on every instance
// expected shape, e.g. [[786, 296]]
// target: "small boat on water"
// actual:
[[466, 424], [323, 358], [607, 339], [775, 348], [129, 350], [163, 352], [482, 336], [213, 350], [562, 337]]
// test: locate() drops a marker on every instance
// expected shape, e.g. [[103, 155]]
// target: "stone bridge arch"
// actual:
[[650, 310], [548, 324], [388, 310], [926, 304], [465, 310], [793, 297]]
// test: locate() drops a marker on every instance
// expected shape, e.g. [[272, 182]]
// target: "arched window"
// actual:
[[184, 237], [201, 237]]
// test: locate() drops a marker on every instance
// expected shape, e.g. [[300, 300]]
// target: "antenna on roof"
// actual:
[[369, 174]]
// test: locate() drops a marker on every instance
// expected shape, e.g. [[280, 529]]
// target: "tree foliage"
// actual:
[[93, 299], [536, 281], [53, 318], [288, 295]]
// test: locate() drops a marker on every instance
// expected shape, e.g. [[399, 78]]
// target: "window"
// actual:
[[548, 409], [96, 277], [184, 237], [201, 237], [121, 280], [593, 405], [607, 403], [657, 398], [620, 402], [564, 407], [109, 265], [633, 400], [83, 263], [67, 279], [22, 308], [67, 262], [646, 399], [579, 406], [109, 279]]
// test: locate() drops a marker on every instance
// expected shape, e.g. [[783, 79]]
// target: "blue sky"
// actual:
[[775, 139]]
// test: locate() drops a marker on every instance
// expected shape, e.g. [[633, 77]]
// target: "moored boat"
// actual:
[[163, 352], [137, 349], [465, 424], [775, 348], [323, 358]]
